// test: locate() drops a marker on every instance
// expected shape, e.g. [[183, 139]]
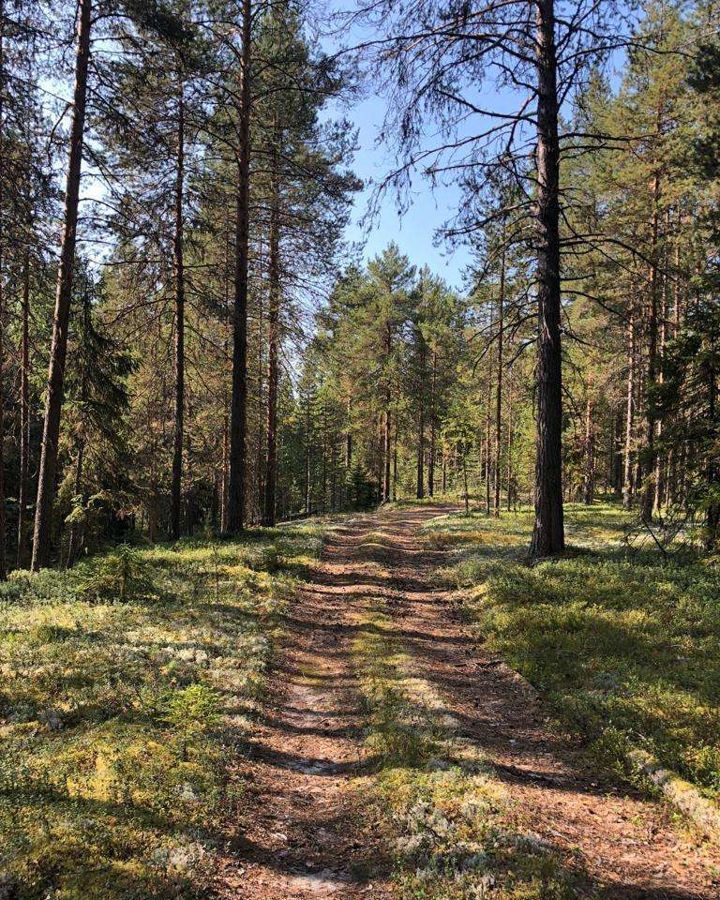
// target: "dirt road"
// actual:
[[308, 832]]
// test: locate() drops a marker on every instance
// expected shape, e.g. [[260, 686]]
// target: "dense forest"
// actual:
[[216, 355], [197, 357]]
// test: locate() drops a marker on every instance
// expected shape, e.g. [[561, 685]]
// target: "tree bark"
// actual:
[[387, 436], [712, 521], [238, 403], [488, 464], [273, 346], [24, 492], [589, 487], [431, 455], [58, 348], [509, 441], [387, 455], [648, 499], [308, 484], [466, 491], [549, 534], [178, 250], [225, 475], [393, 495], [421, 427], [499, 388], [629, 415], [3, 566]]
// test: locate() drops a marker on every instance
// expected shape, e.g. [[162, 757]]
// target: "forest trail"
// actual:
[[307, 834]]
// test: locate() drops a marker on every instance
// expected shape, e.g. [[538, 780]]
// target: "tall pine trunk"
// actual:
[[24, 487], [712, 521], [648, 499], [510, 441], [421, 453], [3, 566], [589, 486], [387, 453], [387, 422], [431, 454], [421, 426], [238, 403], [178, 258], [548, 534], [499, 387], [273, 348], [63, 296], [627, 487]]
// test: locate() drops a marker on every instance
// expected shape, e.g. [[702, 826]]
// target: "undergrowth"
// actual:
[[126, 688], [624, 645]]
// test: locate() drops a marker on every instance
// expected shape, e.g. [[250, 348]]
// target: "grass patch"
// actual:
[[126, 688], [625, 646], [453, 830]]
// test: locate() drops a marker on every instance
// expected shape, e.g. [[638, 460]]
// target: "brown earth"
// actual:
[[306, 833]]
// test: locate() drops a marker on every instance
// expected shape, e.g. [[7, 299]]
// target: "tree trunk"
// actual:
[[73, 545], [510, 441], [629, 415], [178, 248], [648, 500], [499, 388], [387, 436], [238, 403], [421, 436], [387, 454], [308, 486], [712, 521], [3, 566], [488, 465], [393, 495], [431, 456], [548, 535], [466, 492], [589, 491], [273, 347], [660, 481], [24, 491], [58, 349], [225, 475]]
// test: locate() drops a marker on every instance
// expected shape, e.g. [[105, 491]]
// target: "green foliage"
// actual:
[[623, 646], [194, 710], [117, 718], [122, 575]]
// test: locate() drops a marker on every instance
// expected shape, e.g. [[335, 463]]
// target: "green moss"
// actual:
[[124, 693], [624, 645]]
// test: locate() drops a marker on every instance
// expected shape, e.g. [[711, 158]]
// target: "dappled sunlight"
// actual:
[[119, 711], [624, 646]]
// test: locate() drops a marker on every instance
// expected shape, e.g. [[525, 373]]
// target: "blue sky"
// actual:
[[414, 232], [431, 205]]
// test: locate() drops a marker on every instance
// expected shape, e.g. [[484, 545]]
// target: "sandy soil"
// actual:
[[306, 834]]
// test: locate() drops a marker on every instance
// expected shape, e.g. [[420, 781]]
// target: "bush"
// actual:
[[122, 576]]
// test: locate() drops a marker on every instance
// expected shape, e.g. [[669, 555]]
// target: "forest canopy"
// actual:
[[189, 340]]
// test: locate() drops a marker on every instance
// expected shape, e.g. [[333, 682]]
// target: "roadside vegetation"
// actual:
[[624, 643], [128, 686], [453, 828]]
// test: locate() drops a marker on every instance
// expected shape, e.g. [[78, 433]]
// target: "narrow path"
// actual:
[[304, 836]]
